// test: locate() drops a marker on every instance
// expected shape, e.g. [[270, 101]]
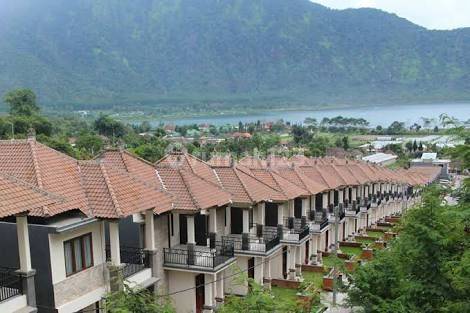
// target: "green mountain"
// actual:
[[163, 53]]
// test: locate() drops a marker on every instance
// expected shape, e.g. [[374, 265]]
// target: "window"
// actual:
[[78, 254]]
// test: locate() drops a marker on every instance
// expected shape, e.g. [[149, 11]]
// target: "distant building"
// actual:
[[430, 160], [380, 158]]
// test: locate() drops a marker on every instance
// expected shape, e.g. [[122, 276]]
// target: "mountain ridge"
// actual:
[[148, 53]]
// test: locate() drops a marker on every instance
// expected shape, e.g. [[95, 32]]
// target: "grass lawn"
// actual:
[[365, 240], [351, 250], [285, 294], [375, 234], [316, 278], [329, 260]]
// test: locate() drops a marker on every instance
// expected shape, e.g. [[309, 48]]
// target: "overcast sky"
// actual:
[[432, 14]]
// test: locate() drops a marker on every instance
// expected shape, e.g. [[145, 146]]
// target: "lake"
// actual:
[[376, 115]]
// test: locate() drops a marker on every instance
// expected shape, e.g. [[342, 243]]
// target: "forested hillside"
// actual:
[[152, 53]]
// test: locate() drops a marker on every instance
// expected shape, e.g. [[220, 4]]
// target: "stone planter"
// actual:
[[350, 265], [367, 254], [389, 235], [379, 245]]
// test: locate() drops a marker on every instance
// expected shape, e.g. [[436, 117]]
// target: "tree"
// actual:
[[345, 143], [136, 301], [415, 146], [409, 146], [22, 102], [109, 127], [396, 128], [426, 269], [90, 143]]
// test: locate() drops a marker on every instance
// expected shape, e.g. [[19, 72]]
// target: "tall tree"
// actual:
[[22, 102]]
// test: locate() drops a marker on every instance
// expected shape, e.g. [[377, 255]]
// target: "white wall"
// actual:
[[184, 302], [56, 244], [232, 284]]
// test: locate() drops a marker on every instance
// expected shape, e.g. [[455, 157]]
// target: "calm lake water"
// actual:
[[376, 115]]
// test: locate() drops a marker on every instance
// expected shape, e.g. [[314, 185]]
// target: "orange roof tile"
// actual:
[[17, 196], [47, 169], [188, 162], [114, 193], [190, 191]]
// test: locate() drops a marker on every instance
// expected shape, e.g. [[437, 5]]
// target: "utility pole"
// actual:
[[335, 253]]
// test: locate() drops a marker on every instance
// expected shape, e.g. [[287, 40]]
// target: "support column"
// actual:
[[291, 208], [220, 288], [259, 270], [246, 230], [340, 196], [291, 262], [261, 213], [332, 197], [25, 271], [115, 268], [150, 246], [212, 227], [23, 243], [267, 274], [298, 261], [208, 293], [325, 200], [228, 216], [190, 229], [354, 194], [305, 206]]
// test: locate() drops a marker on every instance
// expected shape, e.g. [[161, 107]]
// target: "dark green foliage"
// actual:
[[205, 56], [136, 301], [22, 102], [425, 269], [109, 127]]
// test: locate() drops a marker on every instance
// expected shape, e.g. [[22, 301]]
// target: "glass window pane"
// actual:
[[87, 244], [78, 254], [68, 258]]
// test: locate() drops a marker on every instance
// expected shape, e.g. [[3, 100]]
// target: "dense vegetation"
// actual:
[[202, 56], [427, 268]]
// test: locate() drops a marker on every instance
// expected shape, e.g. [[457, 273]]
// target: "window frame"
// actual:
[[73, 261]]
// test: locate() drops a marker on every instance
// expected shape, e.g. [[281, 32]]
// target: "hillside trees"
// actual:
[[425, 269]]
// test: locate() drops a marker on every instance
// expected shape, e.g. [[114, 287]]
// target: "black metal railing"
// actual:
[[10, 283], [133, 259], [195, 256], [264, 241]]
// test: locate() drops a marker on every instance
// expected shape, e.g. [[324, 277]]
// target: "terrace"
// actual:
[[10, 284], [133, 260], [201, 258], [264, 242]]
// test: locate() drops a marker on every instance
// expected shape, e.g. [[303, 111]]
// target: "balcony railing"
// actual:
[[133, 260], [264, 243], [10, 283], [199, 256]]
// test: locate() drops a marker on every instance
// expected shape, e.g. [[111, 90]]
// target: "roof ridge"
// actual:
[[25, 184], [256, 178], [193, 197], [37, 171], [243, 184], [110, 189]]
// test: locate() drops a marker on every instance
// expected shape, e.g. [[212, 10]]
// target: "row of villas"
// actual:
[[72, 231]]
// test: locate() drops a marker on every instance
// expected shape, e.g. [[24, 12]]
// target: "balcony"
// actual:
[[320, 219], [10, 284], [262, 243], [295, 229], [199, 257], [133, 260]]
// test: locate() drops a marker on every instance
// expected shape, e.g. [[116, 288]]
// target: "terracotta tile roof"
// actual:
[[244, 187], [47, 169], [114, 193], [346, 174], [429, 173], [251, 162], [276, 181], [190, 191], [295, 175], [358, 173], [17, 196], [188, 162], [131, 163], [225, 160]]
